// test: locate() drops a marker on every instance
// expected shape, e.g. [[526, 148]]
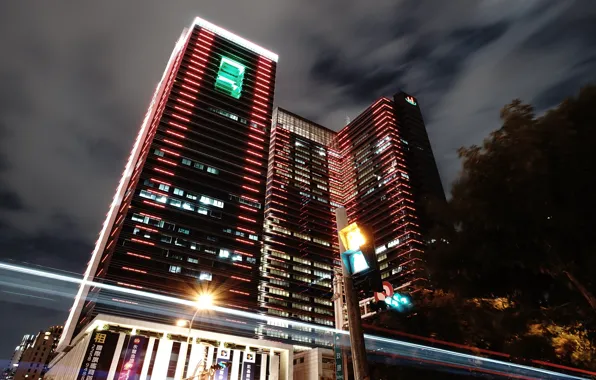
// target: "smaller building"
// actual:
[[36, 355], [113, 347], [315, 364], [26, 342]]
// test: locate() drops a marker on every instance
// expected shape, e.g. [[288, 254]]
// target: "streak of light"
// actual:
[[275, 320], [28, 295]]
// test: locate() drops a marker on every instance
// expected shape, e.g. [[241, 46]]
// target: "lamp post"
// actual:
[[204, 301]]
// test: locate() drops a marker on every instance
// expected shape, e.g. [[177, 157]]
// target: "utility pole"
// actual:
[[359, 359]]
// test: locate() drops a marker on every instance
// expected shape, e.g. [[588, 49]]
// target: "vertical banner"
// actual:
[[133, 358], [339, 366], [98, 357], [223, 357], [249, 366]]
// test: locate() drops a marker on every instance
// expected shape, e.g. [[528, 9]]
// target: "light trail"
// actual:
[[438, 355]]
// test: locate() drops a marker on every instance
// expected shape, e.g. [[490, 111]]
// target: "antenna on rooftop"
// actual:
[[347, 120]]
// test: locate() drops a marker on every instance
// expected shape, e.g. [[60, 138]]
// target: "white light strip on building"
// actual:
[[236, 39]]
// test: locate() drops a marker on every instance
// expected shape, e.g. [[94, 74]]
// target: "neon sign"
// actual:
[[411, 100]]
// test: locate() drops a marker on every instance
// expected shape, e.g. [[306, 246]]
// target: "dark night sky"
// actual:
[[75, 81]]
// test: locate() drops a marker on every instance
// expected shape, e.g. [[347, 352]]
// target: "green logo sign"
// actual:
[[230, 77]]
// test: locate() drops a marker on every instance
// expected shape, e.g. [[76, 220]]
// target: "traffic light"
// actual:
[[399, 302], [359, 256], [373, 275]]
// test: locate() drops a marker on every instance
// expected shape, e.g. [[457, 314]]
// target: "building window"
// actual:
[[183, 231], [212, 170], [205, 276], [175, 202], [188, 206], [175, 269], [158, 152], [199, 166], [166, 239], [224, 253], [178, 191], [164, 187], [186, 161], [192, 260]]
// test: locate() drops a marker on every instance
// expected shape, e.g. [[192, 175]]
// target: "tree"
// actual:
[[519, 227]]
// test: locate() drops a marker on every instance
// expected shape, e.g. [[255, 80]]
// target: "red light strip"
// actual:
[[252, 170], [185, 102], [137, 255], [163, 171], [154, 204], [189, 88], [180, 117], [187, 95], [250, 189], [245, 230], [183, 110], [254, 153], [170, 152], [256, 138], [145, 228], [247, 219], [248, 208], [142, 241], [173, 143], [158, 181], [177, 125], [242, 253], [244, 241], [255, 145], [241, 278], [237, 291], [193, 75], [151, 216], [167, 161], [175, 134], [252, 161], [134, 270], [191, 81], [130, 285], [243, 266]]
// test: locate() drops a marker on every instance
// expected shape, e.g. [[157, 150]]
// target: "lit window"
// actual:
[[205, 276], [146, 194], [190, 196], [202, 211], [193, 245], [181, 242], [188, 206], [224, 253], [186, 161], [192, 260], [138, 218], [199, 166], [175, 269], [184, 231], [158, 152], [166, 239], [230, 77], [164, 187], [212, 170], [175, 202], [178, 191], [161, 198], [237, 258], [253, 237]]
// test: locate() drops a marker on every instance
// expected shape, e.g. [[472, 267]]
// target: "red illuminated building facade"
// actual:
[[188, 212]]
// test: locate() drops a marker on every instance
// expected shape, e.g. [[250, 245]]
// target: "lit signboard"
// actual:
[[411, 100], [230, 77]]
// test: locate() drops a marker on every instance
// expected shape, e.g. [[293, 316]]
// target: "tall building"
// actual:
[[26, 342], [300, 244], [35, 358], [377, 191], [425, 179], [188, 212]]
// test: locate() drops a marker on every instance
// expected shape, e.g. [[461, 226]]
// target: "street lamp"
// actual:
[[204, 301]]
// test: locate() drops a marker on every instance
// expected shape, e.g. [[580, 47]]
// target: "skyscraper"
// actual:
[[377, 190], [188, 211], [300, 244], [425, 179]]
